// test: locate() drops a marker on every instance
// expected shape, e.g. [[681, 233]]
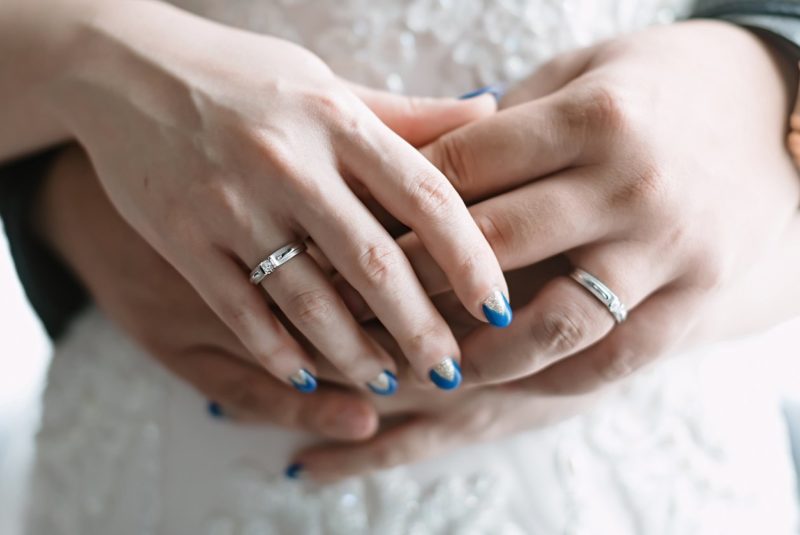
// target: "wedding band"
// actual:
[[267, 267], [602, 292]]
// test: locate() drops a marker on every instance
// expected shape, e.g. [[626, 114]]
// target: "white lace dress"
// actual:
[[695, 445]]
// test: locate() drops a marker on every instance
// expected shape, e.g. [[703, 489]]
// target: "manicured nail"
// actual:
[[293, 471], [216, 410], [303, 381], [498, 310], [497, 91], [384, 384], [446, 375]]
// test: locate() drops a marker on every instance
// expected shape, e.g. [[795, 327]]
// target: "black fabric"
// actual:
[[777, 20], [57, 296], [52, 290]]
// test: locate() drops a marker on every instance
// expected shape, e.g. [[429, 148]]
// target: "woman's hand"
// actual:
[[220, 146], [657, 163], [158, 309]]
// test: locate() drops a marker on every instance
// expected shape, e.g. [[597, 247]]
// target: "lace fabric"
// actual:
[[127, 449]]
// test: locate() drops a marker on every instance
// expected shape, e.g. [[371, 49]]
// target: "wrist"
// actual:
[[123, 55]]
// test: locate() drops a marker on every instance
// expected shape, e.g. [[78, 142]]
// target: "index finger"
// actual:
[[524, 142]]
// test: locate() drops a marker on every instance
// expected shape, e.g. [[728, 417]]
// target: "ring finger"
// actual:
[[565, 317], [305, 294]]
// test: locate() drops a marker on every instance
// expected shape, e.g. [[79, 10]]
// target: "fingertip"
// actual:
[[303, 381], [350, 419], [497, 309], [496, 91]]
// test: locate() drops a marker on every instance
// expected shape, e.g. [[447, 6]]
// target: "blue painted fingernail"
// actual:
[[303, 381], [498, 310], [446, 375], [384, 384], [216, 410], [293, 471], [497, 91]]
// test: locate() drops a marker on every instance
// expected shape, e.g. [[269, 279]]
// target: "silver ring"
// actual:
[[267, 267], [602, 292]]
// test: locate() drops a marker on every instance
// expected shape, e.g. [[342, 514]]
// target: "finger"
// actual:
[[243, 308], [564, 318], [550, 77], [370, 260], [420, 197], [658, 325], [570, 128], [246, 393], [420, 120], [309, 300], [423, 437], [528, 225]]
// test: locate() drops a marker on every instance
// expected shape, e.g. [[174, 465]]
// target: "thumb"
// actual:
[[421, 120]]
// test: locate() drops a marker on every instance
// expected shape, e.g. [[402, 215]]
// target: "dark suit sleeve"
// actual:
[[51, 288], [778, 20]]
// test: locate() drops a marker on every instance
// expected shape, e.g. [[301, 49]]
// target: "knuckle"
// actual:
[[333, 107], [562, 332], [453, 161], [497, 230], [312, 307], [430, 194], [616, 365], [379, 263], [597, 108], [710, 271], [421, 339], [647, 189]]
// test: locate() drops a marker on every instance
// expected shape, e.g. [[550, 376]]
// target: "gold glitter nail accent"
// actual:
[[381, 382], [300, 377], [445, 369], [496, 302]]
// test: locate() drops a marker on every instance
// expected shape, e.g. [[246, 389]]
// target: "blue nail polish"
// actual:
[[384, 384], [497, 309], [216, 410], [303, 381], [497, 91], [293, 471], [446, 375]]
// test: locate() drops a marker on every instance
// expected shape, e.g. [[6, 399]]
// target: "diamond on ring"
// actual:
[[270, 264]]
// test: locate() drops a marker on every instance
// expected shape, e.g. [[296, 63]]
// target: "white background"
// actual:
[[24, 350]]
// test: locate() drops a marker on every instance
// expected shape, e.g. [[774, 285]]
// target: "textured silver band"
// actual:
[[602, 292], [266, 267]]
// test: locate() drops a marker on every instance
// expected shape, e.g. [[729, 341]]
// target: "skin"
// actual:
[[610, 114], [188, 132], [626, 159]]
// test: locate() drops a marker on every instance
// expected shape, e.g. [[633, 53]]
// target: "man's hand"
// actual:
[[654, 162]]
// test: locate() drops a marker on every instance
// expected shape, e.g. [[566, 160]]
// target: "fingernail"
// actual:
[[303, 381], [384, 384], [497, 91], [498, 310], [293, 471], [216, 410], [446, 375]]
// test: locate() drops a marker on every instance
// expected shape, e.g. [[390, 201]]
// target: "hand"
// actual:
[[221, 146], [157, 308], [654, 162], [686, 205]]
